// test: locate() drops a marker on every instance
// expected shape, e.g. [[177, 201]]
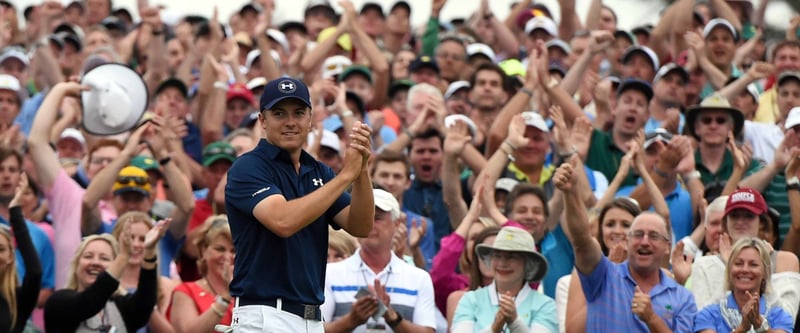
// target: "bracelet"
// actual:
[[221, 85], [792, 187], [792, 181], [222, 301], [347, 113], [510, 157], [510, 145], [568, 154], [407, 132], [692, 175], [150, 260], [218, 312], [395, 322], [526, 91], [165, 160]]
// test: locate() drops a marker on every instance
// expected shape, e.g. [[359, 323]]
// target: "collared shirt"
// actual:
[[777, 197], [767, 106], [710, 317], [426, 200], [268, 266], [605, 156], [609, 290], [427, 245], [477, 310], [725, 169], [557, 249], [545, 177], [409, 288]]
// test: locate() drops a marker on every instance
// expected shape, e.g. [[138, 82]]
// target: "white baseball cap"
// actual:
[[534, 119], [480, 49], [116, 101], [386, 202], [450, 120], [505, 184], [541, 22], [72, 133], [720, 22], [8, 82], [256, 82], [455, 87], [279, 37], [329, 139], [335, 65], [15, 53], [793, 119]]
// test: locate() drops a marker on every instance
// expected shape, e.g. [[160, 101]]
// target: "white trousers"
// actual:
[[266, 319]]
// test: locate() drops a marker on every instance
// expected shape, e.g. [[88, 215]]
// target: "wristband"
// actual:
[[526, 91], [793, 181], [568, 154], [222, 301], [692, 175], [347, 113], [399, 318], [164, 160], [407, 132], [513, 148], [150, 260], [510, 157], [221, 85], [792, 187]]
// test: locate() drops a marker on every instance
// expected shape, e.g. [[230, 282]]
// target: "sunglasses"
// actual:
[[718, 120], [220, 150], [127, 180]]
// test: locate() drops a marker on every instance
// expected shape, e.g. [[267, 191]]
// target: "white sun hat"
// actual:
[[116, 101]]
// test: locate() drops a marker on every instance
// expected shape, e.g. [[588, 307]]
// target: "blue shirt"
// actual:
[[426, 200], [193, 142], [428, 243], [711, 317], [28, 111], [609, 291], [679, 203], [652, 124], [557, 249], [45, 252], [268, 266]]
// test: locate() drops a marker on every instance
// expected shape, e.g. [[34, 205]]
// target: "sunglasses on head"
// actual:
[[220, 150], [127, 180]]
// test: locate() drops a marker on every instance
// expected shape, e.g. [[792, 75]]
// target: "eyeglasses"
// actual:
[[718, 120], [127, 180], [506, 256], [451, 56], [654, 236], [220, 150]]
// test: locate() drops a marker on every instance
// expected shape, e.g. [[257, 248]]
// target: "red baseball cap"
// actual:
[[239, 90], [746, 198]]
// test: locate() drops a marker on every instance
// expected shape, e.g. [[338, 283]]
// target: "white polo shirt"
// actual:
[[410, 290]]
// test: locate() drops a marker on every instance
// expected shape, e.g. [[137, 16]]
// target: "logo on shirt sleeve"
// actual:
[[263, 189]]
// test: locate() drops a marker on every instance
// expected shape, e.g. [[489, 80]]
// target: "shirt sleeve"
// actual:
[[705, 319], [779, 319], [592, 284], [686, 314], [466, 311], [248, 186], [425, 309]]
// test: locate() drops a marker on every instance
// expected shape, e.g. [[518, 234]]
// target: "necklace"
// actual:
[[211, 287]]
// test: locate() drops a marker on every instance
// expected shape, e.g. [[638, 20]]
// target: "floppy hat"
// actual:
[[714, 102], [132, 179], [116, 100], [514, 239], [748, 199]]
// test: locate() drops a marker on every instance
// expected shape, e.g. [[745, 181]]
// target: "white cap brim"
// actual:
[[117, 99]]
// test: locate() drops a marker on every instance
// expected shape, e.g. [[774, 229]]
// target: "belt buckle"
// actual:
[[309, 311]]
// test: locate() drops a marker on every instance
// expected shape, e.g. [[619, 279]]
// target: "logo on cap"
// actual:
[[743, 196], [287, 87], [425, 59]]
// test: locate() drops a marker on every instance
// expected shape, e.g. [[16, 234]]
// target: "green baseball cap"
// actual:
[[357, 69], [216, 151], [146, 163]]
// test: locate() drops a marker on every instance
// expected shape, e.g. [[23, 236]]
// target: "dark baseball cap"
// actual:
[[423, 62], [638, 85], [284, 88], [173, 83]]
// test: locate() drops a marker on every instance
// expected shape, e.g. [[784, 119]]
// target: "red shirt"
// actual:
[[202, 300]]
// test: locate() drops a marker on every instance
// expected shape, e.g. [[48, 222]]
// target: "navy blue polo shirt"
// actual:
[[268, 266], [426, 200]]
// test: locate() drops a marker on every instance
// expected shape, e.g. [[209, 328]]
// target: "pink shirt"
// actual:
[[443, 272]]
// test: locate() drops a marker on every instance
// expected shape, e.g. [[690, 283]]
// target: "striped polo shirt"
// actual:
[[410, 290], [609, 291]]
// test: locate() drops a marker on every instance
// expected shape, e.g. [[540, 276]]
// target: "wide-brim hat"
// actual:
[[714, 102], [116, 101], [513, 239]]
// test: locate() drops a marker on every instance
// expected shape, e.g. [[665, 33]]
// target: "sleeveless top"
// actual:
[[202, 300]]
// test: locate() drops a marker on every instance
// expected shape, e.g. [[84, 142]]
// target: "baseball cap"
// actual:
[[114, 23], [399, 4], [293, 25], [239, 90], [624, 34], [720, 22], [14, 53], [216, 151], [173, 83], [8, 82], [541, 22], [256, 82], [386, 202], [670, 68], [787, 76], [748, 199], [146, 163], [423, 62], [323, 5], [475, 49], [73, 134], [644, 50], [400, 85], [512, 67], [284, 88], [505, 184], [658, 134], [356, 70], [132, 179], [335, 65], [636, 84], [371, 6], [534, 119], [455, 87], [450, 120], [793, 119], [279, 37], [558, 44], [329, 139]]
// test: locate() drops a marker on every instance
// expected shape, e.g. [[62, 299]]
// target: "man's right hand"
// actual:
[[363, 309], [358, 151]]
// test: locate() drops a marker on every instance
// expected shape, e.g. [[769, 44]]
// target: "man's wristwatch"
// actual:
[[222, 301], [396, 321], [764, 326], [793, 183]]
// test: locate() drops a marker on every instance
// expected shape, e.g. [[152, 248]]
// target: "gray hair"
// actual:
[[716, 206], [423, 88]]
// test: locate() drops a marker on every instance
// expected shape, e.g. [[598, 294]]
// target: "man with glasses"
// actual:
[[402, 298], [636, 292], [451, 56], [281, 202]]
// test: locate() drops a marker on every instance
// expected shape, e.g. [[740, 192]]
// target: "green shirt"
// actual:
[[605, 156], [430, 38], [725, 169], [776, 197]]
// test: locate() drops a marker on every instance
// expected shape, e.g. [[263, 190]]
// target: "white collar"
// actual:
[[521, 296]]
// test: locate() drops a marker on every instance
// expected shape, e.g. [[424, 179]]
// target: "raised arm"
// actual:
[[137, 307], [182, 194], [314, 58], [757, 71], [211, 124], [598, 42], [792, 240], [698, 49], [157, 68], [27, 294], [455, 140], [569, 20], [268, 65], [377, 61], [723, 10], [587, 250], [43, 155]]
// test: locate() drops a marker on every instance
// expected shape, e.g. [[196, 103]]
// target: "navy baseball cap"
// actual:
[[284, 88]]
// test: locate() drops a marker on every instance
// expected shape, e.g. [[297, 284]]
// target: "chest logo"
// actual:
[[317, 181]]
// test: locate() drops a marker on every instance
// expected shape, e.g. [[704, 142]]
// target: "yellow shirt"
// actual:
[[767, 107]]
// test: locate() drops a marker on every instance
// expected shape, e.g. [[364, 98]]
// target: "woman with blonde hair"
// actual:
[[17, 301], [198, 306], [93, 299], [340, 245], [140, 223], [745, 308]]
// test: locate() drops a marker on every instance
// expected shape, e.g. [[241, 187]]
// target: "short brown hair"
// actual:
[[104, 143], [7, 151], [523, 189], [391, 156]]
